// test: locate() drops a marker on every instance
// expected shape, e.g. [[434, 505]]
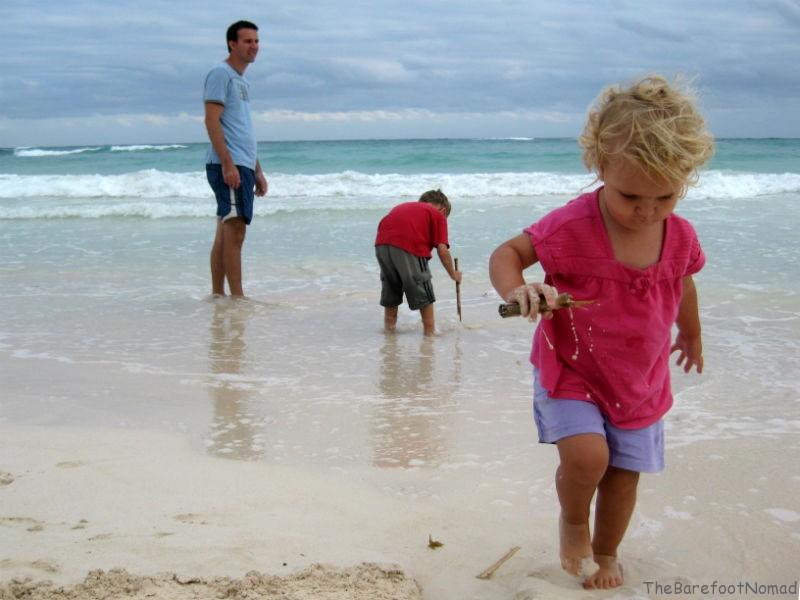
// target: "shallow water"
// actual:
[[107, 318], [108, 322]]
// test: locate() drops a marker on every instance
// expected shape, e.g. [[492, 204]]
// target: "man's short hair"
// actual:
[[233, 32]]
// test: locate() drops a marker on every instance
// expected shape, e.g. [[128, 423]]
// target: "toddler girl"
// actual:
[[601, 373]]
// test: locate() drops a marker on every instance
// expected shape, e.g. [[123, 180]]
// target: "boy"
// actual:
[[403, 248]]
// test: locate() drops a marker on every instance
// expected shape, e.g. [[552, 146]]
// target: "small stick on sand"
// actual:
[[490, 571], [434, 544]]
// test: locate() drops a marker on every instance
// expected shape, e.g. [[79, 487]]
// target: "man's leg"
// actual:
[[217, 265], [233, 232]]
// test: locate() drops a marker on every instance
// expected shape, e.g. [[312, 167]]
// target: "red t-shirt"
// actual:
[[415, 227]]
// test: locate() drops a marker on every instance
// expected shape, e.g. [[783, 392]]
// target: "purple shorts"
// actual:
[[640, 450]]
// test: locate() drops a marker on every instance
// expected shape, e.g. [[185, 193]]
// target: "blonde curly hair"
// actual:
[[651, 124]]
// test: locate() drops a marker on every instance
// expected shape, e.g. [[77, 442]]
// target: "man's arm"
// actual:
[[689, 342], [214, 127], [447, 262], [261, 181]]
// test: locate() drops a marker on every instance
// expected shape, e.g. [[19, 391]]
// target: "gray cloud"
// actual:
[[88, 59], [648, 32]]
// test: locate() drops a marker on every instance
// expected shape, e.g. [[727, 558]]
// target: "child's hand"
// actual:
[[527, 296], [691, 352]]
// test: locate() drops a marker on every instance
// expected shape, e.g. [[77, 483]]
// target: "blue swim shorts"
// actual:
[[232, 203], [640, 450]]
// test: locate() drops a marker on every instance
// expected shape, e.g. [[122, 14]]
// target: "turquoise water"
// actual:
[[163, 181], [326, 198], [367, 156], [380, 156]]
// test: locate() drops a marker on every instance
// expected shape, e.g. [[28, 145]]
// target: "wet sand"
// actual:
[[219, 471]]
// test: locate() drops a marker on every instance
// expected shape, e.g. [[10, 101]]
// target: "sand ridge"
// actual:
[[367, 581]]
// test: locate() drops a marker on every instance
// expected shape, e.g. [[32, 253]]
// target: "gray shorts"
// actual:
[[640, 450], [402, 272]]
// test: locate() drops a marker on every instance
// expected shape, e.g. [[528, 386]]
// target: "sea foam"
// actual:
[[24, 152], [146, 192], [146, 147]]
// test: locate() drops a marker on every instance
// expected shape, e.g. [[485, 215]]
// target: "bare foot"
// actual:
[[576, 548], [608, 576]]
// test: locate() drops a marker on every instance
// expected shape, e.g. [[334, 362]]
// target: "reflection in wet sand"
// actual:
[[409, 424], [233, 432]]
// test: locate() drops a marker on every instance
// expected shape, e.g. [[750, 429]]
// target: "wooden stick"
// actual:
[[490, 571], [563, 301], [458, 293]]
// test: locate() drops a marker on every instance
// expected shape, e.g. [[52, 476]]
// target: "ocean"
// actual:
[[107, 318]]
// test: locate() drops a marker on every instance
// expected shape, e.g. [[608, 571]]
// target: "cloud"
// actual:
[[327, 62], [648, 31], [789, 10], [276, 116], [371, 71]]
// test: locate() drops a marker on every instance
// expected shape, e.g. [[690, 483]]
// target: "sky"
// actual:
[[76, 72]]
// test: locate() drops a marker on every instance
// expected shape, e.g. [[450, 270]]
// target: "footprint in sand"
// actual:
[[6, 478], [70, 464], [81, 524], [46, 566], [551, 581], [191, 518], [534, 589], [41, 565], [545, 581], [547, 572], [27, 522], [101, 536]]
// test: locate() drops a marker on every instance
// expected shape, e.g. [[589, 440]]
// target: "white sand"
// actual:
[[77, 500], [365, 582]]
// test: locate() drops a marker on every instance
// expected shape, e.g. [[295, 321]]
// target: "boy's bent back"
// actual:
[[416, 227]]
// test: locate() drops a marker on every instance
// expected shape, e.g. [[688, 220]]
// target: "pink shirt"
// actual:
[[415, 227], [615, 352]]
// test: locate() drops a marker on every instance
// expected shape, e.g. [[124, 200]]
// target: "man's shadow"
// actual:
[[233, 432]]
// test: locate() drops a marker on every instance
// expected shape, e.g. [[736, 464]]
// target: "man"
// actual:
[[232, 166]]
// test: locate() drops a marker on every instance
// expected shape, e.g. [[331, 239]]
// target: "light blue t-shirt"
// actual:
[[225, 86]]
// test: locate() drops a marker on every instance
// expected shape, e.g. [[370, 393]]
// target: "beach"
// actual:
[[87, 500], [148, 427]]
